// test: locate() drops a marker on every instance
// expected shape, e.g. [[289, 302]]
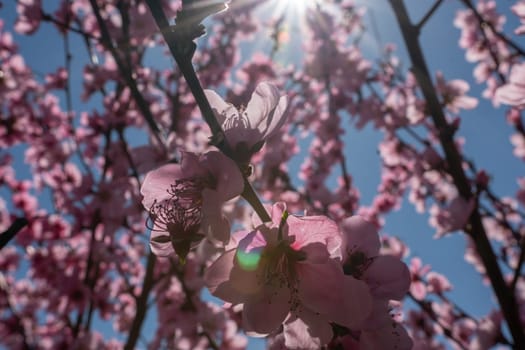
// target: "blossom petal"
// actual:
[[217, 278], [160, 244], [214, 225], [379, 316], [315, 253], [358, 303], [221, 108], [388, 278], [275, 120], [308, 331], [510, 94], [267, 310], [157, 183], [360, 235], [232, 278], [229, 181], [325, 298], [263, 102], [315, 229], [275, 211], [190, 165]]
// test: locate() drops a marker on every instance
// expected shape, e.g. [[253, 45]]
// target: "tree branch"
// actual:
[[141, 304], [182, 48], [428, 15], [15, 227], [125, 72], [475, 228]]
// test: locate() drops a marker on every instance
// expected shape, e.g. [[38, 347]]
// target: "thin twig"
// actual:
[[125, 72], [48, 18], [428, 15], [141, 303]]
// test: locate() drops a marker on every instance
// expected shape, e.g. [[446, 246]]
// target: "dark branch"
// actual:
[[182, 47], [125, 72], [474, 228], [11, 232], [428, 15]]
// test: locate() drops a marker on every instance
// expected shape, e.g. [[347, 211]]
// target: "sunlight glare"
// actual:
[[299, 5]]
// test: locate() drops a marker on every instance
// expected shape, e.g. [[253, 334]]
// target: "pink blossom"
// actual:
[[518, 141], [275, 272], [418, 287], [386, 275], [184, 201], [513, 93], [58, 79], [29, 16], [487, 332], [519, 10], [453, 93], [520, 195], [451, 218], [438, 283], [247, 128]]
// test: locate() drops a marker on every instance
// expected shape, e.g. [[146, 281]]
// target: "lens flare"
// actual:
[[249, 260]]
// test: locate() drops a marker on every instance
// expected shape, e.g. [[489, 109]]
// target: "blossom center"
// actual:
[[279, 268], [356, 264], [181, 213], [236, 120]]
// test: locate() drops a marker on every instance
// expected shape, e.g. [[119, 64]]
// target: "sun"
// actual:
[[299, 5], [294, 7]]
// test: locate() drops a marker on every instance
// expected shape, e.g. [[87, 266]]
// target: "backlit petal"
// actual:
[[157, 183], [266, 311], [221, 108]]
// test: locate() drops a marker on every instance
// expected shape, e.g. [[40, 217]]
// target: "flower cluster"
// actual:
[[184, 200], [305, 275], [90, 120], [274, 270]]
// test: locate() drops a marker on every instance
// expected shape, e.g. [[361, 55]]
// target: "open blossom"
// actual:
[[454, 94], [247, 128], [184, 201], [29, 16], [452, 217], [288, 273], [387, 277], [513, 93]]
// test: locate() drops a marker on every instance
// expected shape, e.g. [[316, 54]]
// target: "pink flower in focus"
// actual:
[[513, 93], [247, 128], [288, 272], [387, 276], [184, 201]]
